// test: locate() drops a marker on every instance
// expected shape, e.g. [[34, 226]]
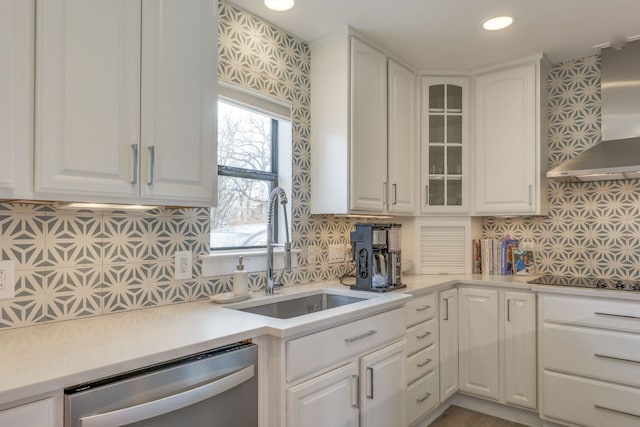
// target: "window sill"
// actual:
[[225, 262]]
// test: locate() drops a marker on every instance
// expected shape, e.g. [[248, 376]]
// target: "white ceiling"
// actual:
[[446, 35]]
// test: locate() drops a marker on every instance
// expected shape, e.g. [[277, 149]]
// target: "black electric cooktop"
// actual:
[[588, 282]]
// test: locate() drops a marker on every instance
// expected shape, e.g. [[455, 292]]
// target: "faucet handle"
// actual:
[[287, 256]]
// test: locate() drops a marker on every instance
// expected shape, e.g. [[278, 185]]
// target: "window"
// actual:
[[249, 158]]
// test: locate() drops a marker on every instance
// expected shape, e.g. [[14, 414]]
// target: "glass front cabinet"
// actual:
[[444, 145]]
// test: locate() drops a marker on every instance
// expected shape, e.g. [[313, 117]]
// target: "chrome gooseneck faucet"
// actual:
[[273, 201]]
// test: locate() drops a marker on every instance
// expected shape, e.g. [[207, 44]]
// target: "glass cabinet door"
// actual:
[[443, 143]]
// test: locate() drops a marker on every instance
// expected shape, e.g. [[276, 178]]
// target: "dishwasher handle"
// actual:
[[168, 404]]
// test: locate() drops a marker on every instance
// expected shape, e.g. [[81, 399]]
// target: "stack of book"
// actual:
[[492, 256]]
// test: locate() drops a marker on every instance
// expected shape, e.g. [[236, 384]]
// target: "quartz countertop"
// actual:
[[44, 359]]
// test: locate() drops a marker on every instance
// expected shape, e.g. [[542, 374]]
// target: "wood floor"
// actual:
[[456, 416]]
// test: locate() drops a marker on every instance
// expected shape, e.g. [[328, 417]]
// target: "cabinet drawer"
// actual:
[[422, 362], [422, 396], [605, 355], [421, 336], [597, 312], [421, 309], [590, 402], [313, 352]]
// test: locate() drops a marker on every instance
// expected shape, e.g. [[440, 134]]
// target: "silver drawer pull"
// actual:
[[622, 359], [425, 363], [426, 334], [597, 405], [423, 398], [361, 336], [423, 308], [624, 316]]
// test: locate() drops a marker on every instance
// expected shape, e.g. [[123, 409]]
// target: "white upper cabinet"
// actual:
[[510, 140], [126, 101], [445, 145], [363, 130], [368, 128], [16, 97], [402, 101]]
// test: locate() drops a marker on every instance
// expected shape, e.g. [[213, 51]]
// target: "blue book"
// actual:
[[506, 255]]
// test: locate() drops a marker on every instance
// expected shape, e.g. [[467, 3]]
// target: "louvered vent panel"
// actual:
[[442, 249]]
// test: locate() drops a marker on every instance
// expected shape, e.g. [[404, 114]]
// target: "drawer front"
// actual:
[[313, 352], [606, 355], [422, 396], [589, 402], [422, 362], [421, 309], [421, 336], [600, 312]]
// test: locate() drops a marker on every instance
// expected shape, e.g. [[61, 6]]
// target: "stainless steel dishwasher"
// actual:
[[214, 388]]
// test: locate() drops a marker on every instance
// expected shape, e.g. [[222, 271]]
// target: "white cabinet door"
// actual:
[[179, 101], [368, 172], [479, 342], [87, 99], [325, 401], [383, 384], [402, 139], [508, 141], [41, 414], [16, 97], [444, 145], [520, 349], [448, 343]]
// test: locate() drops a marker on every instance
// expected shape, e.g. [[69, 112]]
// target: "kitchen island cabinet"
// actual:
[[41, 413], [126, 101]]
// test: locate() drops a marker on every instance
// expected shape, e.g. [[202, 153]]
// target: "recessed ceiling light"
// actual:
[[279, 5], [497, 23]]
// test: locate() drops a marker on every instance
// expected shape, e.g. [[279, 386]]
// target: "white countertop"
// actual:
[[47, 358]]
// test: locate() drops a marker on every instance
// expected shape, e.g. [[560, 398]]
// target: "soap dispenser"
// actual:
[[240, 280]]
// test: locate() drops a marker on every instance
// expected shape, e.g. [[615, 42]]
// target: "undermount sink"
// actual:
[[294, 307]]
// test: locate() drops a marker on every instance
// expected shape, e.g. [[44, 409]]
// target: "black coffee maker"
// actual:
[[376, 253]]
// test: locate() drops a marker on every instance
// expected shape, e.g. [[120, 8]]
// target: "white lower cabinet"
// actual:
[[589, 361], [41, 413], [497, 345], [448, 315], [349, 375]]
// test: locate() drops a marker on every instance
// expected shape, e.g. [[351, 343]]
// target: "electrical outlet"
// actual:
[[183, 265], [313, 253], [7, 279], [336, 253]]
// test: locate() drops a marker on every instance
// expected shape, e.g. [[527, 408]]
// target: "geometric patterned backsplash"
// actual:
[[73, 264], [593, 229]]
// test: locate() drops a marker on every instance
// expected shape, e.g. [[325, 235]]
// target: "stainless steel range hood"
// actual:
[[618, 155]]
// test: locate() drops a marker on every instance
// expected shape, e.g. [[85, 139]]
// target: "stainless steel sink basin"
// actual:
[[286, 309]]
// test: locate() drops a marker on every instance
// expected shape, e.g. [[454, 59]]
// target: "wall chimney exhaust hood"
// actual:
[[618, 155]]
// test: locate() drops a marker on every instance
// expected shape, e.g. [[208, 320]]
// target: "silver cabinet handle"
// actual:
[[136, 164], [509, 310], [355, 396], [152, 165], [370, 391], [423, 308], [426, 334], [423, 398], [395, 194], [446, 304], [530, 188], [425, 363], [148, 410], [361, 336], [606, 408], [384, 193], [624, 316], [622, 359], [426, 195]]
